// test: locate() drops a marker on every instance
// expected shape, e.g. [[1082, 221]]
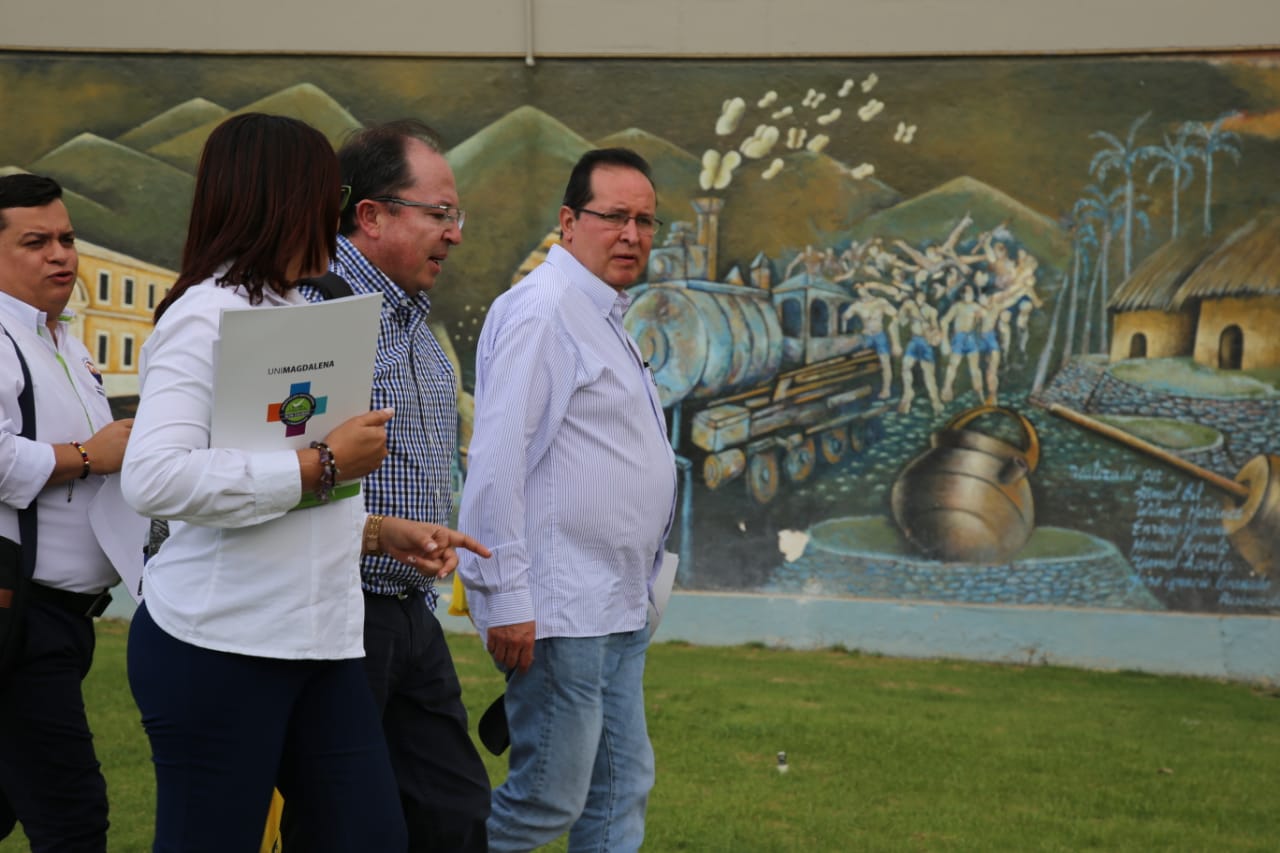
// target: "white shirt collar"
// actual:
[[24, 315], [602, 295]]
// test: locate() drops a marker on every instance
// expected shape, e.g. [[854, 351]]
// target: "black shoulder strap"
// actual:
[[330, 285], [27, 407]]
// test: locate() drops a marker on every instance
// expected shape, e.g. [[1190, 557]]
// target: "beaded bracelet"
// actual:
[[84, 457], [372, 533], [84, 472], [328, 471]]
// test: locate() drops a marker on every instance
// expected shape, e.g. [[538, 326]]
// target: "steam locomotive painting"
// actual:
[[761, 376]]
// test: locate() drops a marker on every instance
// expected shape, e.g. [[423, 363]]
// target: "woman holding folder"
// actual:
[[244, 656]]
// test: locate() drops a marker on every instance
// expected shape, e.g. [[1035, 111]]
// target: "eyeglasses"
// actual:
[[344, 196], [618, 220], [447, 213]]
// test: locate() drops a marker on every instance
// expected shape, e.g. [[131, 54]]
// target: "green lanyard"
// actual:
[[74, 387]]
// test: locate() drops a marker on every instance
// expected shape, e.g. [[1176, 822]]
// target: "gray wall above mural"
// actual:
[[545, 28]]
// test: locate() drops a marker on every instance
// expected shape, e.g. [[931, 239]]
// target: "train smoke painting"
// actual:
[[996, 331]]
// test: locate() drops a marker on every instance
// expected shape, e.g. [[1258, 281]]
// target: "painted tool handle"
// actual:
[[1231, 487]]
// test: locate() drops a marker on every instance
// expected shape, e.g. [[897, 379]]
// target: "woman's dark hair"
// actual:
[[577, 193], [266, 196]]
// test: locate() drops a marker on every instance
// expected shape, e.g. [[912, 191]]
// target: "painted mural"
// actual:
[[972, 330]]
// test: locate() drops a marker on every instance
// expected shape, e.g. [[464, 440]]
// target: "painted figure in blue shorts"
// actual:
[[872, 311], [922, 318], [962, 321]]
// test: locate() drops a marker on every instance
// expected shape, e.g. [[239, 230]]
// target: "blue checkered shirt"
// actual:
[[413, 376]]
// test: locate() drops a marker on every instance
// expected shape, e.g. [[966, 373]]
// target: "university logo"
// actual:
[[93, 370], [296, 409]]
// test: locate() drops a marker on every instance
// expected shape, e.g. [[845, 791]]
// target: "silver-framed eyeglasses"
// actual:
[[446, 213], [617, 220]]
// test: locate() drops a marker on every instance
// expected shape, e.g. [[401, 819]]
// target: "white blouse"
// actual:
[[240, 572]]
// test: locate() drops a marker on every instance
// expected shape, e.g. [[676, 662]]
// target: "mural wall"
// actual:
[[970, 330]]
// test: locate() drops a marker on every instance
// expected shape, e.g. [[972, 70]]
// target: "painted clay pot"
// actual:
[[967, 499]]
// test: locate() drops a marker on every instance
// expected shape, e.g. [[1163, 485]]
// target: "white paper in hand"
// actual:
[[662, 590], [287, 376]]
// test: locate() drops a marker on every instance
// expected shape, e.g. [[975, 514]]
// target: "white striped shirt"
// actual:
[[571, 479]]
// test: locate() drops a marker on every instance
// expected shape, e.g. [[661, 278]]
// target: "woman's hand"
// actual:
[[359, 444], [429, 548]]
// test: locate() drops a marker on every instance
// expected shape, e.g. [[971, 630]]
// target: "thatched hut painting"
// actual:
[[1146, 323], [1216, 300], [1237, 289]]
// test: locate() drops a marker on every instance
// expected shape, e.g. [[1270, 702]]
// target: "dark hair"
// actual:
[[577, 193], [26, 190], [266, 196], [374, 163]]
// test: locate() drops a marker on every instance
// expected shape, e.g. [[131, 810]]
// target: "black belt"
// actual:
[[411, 592], [80, 603]]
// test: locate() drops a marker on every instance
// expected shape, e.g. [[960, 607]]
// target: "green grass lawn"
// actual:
[[884, 754]]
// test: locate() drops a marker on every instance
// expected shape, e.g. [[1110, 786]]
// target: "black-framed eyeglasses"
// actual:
[[618, 220], [446, 213], [344, 196]]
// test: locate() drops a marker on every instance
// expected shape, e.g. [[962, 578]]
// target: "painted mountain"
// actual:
[[929, 217], [148, 200], [303, 101], [172, 122]]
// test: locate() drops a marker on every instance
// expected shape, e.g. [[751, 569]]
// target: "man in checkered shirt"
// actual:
[[398, 225]]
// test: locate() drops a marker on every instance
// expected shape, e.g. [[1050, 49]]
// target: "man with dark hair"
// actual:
[[50, 778], [571, 480], [397, 228]]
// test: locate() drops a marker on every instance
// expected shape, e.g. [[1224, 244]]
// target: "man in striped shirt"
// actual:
[[398, 226], [571, 482]]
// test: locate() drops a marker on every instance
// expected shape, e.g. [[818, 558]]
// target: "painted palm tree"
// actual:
[[1213, 140], [1083, 239], [1123, 156], [1070, 224], [1106, 209], [1046, 354], [1174, 157]]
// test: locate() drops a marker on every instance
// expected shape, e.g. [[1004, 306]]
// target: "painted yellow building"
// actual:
[[114, 299]]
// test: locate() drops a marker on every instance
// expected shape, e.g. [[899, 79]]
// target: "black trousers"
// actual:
[[50, 779], [444, 788]]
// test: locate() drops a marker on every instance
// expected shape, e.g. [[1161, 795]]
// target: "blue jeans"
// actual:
[[580, 754]]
